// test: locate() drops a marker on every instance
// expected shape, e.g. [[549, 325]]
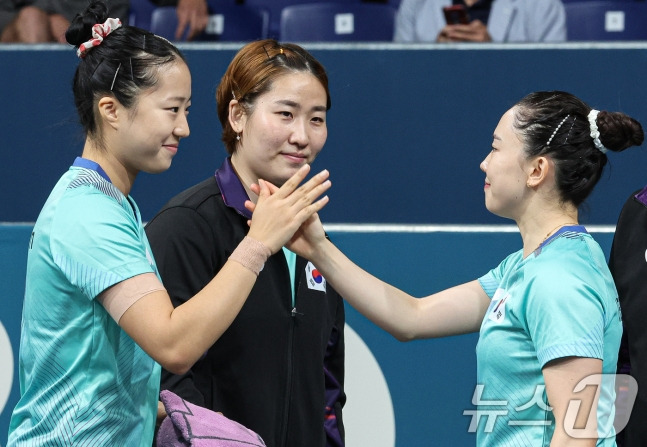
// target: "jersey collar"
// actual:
[[558, 233], [92, 165]]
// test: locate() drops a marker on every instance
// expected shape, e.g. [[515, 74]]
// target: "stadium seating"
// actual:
[[335, 22], [275, 7], [140, 13], [227, 22], [606, 20]]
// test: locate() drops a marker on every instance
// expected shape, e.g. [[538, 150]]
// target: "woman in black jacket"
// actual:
[[278, 369]]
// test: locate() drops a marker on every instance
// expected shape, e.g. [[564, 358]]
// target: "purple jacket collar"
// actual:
[[231, 188], [642, 196]]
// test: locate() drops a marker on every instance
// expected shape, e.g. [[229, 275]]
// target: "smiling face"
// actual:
[[285, 129], [506, 171], [150, 132]]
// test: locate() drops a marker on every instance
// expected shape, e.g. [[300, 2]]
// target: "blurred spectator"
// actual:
[[35, 21], [490, 21], [192, 16]]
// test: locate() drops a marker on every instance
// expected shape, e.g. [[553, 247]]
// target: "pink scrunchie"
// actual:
[[99, 32]]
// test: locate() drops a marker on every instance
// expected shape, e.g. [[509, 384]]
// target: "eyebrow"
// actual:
[[496, 137], [178, 98], [287, 102]]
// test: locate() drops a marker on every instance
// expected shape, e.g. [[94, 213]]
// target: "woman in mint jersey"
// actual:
[[548, 315], [97, 321]]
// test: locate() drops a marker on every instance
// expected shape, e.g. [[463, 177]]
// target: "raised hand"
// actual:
[[192, 18], [280, 212]]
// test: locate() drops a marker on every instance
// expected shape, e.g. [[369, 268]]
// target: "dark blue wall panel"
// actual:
[[407, 129]]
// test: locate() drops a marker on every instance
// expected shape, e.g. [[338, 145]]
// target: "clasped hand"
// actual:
[[279, 213]]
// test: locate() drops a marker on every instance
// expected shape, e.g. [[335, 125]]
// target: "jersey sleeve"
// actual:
[[564, 313], [97, 242], [491, 280]]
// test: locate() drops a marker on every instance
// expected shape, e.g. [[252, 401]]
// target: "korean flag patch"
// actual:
[[496, 311], [315, 280]]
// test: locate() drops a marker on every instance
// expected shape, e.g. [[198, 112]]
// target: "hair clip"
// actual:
[[115, 78], [555, 132], [569, 130]]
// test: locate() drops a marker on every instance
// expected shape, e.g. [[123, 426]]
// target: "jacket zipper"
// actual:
[[288, 381], [288, 387]]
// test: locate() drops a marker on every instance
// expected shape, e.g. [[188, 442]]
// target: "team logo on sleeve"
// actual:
[[316, 281], [496, 312]]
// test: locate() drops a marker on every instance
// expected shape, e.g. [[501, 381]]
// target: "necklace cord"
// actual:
[[551, 232]]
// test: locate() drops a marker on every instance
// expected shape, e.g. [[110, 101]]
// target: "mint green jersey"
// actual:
[[560, 301], [83, 380]]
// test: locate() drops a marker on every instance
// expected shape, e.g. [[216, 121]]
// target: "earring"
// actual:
[[238, 137]]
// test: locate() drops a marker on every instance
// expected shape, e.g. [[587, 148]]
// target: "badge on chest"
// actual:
[[496, 311], [315, 280]]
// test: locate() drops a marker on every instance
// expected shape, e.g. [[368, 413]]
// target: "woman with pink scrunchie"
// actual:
[[97, 322]]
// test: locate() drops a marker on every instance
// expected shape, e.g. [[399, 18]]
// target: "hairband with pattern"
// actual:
[[99, 32]]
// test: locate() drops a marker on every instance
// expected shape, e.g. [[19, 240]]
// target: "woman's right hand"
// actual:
[[280, 212], [307, 238]]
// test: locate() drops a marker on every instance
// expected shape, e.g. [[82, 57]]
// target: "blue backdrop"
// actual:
[[408, 127]]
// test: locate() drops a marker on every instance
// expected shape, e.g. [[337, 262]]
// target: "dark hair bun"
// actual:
[[619, 131], [80, 29]]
